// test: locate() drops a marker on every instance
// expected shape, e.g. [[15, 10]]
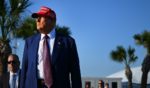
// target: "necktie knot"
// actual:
[[46, 37]]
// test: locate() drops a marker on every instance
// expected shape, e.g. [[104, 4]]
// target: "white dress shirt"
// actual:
[[11, 78], [40, 51]]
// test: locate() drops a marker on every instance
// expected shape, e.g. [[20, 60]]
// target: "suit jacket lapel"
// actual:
[[58, 44], [35, 46], [57, 48]]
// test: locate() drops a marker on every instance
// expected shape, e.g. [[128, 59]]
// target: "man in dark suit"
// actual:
[[51, 50], [11, 78]]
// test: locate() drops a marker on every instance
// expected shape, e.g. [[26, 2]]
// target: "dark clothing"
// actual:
[[65, 63], [41, 83], [4, 80]]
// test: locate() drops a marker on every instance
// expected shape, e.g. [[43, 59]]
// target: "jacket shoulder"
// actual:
[[33, 37], [63, 36]]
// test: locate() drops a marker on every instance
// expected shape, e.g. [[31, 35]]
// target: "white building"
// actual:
[[93, 82], [117, 80], [136, 77]]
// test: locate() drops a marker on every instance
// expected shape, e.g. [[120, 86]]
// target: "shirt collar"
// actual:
[[51, 34], [11, 73]]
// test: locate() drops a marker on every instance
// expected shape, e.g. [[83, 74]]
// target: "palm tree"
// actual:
[[10, 17], [26, 29], [143, 39], [64, 30], [127, 57]]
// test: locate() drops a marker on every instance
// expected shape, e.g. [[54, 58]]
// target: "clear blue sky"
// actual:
[[98, 27]]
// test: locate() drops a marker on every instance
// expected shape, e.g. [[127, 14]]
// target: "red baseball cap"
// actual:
[[45, 12]]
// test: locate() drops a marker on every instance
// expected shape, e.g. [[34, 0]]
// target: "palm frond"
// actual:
[[131, 56], [143, 39], [27, 28], [138, 39], [18, 6], [119, 54], [115, 57], [63, 30]]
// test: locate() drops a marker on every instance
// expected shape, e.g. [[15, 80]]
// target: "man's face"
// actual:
[[44, 24], [13, 64], [100, 84]]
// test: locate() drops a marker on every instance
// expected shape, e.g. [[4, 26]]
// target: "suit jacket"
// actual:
[[4, 80], [65, 63]]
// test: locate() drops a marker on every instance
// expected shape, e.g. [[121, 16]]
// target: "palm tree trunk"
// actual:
[[3, 65], [144, 79], [5, 50], [128, 73], [145, 70], [130, 83]]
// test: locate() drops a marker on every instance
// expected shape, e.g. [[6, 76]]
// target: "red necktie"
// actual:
[[47, 69]]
